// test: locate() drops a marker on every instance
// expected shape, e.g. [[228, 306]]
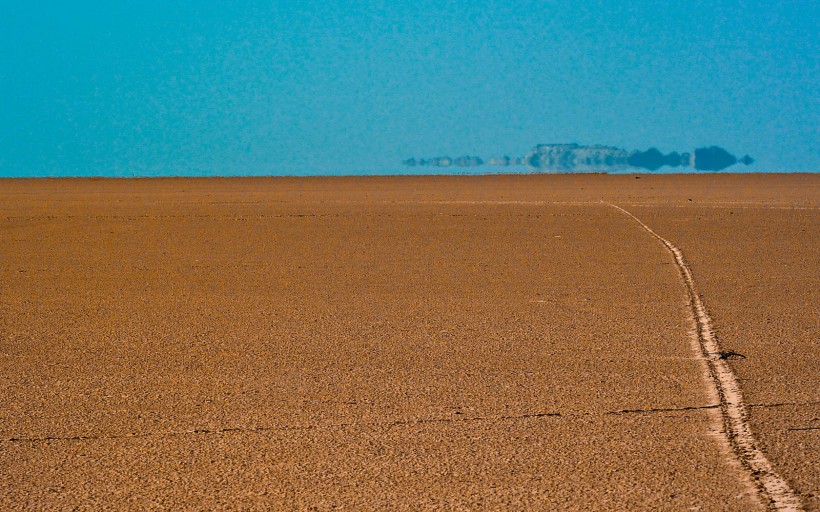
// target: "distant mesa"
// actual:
[[560, 158], [713, 158]]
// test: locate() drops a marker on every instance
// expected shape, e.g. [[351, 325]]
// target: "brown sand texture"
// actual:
[[539, 342]]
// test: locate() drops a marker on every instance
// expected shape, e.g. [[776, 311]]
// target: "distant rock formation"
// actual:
[[573, 157], [652, 159], [713, 158], [576, 158], [505, 161], [445, 161]]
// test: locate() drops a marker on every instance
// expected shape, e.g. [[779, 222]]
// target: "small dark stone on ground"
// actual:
[[731, 354]]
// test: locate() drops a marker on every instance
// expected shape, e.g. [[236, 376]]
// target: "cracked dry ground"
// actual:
[[400, 343]]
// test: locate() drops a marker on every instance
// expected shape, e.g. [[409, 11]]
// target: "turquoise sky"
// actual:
[[324, 87]]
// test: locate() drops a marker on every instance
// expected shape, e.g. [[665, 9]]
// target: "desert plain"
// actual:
[[405, 343]]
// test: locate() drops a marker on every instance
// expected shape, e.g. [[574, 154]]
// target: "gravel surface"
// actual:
[[400, 342]]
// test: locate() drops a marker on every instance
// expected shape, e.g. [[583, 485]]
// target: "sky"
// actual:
[[135, 88]]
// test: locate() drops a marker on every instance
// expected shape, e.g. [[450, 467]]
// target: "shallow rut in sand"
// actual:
[[771, 488]]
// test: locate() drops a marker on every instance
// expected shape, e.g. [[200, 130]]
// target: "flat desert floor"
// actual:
[[494, 342]]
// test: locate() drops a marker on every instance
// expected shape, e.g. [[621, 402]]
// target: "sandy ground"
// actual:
[[401, 343]]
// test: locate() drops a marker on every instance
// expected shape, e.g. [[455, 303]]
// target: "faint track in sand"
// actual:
[[772, 489]]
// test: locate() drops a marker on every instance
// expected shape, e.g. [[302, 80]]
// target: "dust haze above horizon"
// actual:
[[336, 87]]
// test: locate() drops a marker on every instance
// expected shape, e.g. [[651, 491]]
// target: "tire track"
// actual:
[[771, 488]]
